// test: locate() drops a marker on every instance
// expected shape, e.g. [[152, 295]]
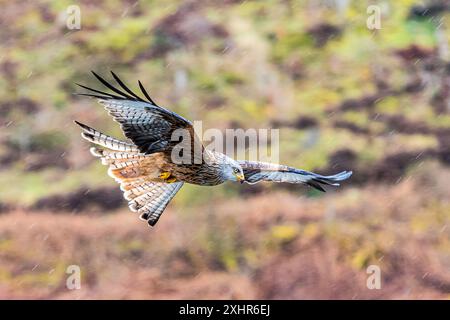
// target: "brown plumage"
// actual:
[[163, 153]]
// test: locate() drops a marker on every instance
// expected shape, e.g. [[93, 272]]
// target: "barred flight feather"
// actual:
[[104, 140]]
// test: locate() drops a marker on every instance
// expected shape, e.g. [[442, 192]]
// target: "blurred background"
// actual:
[[344, 96]]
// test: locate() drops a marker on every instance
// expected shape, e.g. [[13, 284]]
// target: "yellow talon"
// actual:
[[171, 180], [164, 175]]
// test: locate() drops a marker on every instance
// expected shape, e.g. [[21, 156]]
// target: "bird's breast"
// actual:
[[199, 174]]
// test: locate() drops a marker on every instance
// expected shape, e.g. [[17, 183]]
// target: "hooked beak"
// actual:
[[240, 178]]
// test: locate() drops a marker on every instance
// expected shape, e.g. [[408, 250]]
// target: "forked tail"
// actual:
[[131, 169]]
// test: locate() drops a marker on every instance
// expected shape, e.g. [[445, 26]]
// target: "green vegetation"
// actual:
[[344, 98]]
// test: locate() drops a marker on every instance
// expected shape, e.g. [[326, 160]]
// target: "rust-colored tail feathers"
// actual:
[[127, 166]]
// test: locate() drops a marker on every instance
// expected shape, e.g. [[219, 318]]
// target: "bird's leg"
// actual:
[[171, 180]]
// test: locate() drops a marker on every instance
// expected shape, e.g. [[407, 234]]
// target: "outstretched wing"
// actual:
[[149, 199], [261, 171], [149, 126]]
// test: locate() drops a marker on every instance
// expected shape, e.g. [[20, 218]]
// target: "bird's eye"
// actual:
[[236, 170]]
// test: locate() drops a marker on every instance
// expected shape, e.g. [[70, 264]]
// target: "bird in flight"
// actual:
[[145, 167]]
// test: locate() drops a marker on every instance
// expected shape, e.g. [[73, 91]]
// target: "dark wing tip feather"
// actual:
[[124, 94], [315, 185], [101, 94], [124, 87], [146, 93], [332, 180], [88, 132], [88, 136], [82, 125], [112, 88]]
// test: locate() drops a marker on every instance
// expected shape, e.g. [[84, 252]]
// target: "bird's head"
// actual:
[[233, 170]]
